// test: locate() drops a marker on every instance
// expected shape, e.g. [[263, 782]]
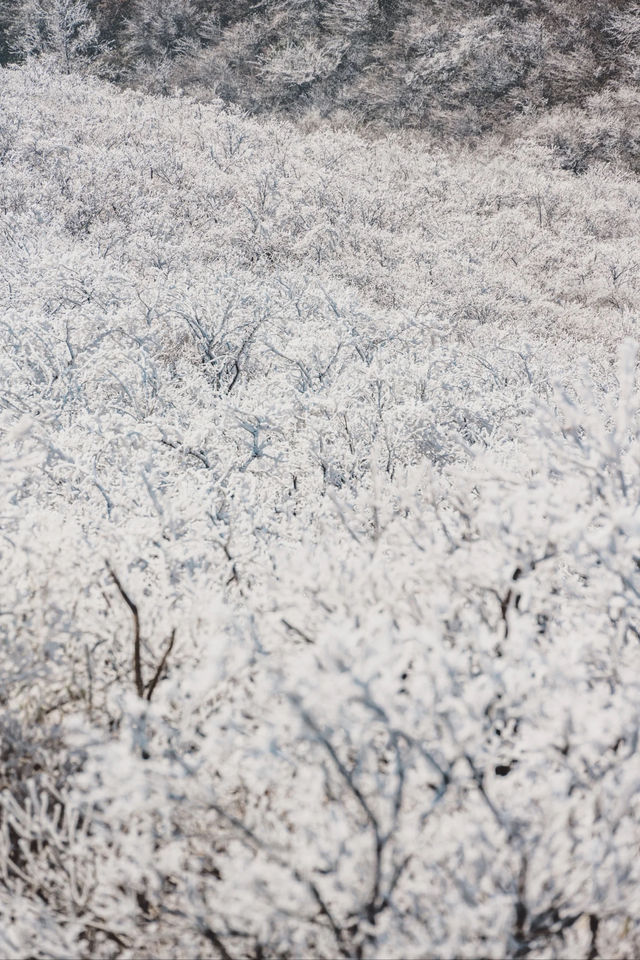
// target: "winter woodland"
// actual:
[[320, 526]]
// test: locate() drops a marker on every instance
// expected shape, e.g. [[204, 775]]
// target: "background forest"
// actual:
[[319, 479], [452, 68]]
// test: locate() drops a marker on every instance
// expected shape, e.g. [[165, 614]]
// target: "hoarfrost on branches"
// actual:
[[320, 550]]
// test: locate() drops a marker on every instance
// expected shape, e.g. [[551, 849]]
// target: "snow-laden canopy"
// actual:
[[320, 546]]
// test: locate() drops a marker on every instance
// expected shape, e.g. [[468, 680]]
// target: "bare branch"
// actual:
[[137, 663], [152, 684]]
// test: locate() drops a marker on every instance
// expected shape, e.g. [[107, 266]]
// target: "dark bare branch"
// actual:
[[137, 661]]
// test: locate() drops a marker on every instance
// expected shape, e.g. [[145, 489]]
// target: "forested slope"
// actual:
[[320, 553], [458, 69]]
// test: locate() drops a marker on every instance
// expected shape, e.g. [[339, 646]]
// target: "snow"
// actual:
[[357, 422]]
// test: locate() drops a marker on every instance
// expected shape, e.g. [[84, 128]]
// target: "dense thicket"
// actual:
[[319, 479], [459, 68], [319, 543]]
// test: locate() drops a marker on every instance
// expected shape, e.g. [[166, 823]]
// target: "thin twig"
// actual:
[[137, 662], [152, 684]]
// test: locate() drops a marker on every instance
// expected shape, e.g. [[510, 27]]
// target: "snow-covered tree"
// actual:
[[63, 30], [319, 544]]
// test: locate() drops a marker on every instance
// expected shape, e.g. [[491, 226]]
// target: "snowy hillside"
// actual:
[[320, 553]]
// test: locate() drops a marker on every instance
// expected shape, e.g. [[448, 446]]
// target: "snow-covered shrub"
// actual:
[[319, 557]]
